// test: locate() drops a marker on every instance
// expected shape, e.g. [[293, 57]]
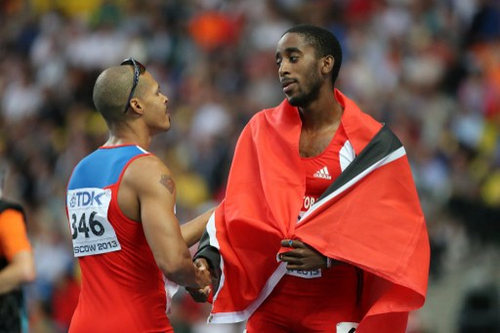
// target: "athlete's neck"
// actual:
[[323, 112], [128, 138]]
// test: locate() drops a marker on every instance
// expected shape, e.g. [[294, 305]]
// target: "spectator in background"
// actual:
[[16, 266]]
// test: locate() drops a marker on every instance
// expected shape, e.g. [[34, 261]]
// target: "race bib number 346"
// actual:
[[92, 233]]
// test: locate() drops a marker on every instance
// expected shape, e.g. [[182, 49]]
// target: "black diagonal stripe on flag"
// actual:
[[382, 144]]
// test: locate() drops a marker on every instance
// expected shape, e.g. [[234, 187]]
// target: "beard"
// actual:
[[303, 99]]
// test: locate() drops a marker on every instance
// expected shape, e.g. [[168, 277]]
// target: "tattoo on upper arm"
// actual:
[[168, 182]]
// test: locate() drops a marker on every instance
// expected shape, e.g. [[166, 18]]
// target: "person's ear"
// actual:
[[136, 106], [327, 63]]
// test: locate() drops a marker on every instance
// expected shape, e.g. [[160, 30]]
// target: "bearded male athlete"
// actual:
[[321, 228]]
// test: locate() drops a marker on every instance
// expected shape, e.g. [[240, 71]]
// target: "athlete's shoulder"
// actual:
[[85, 159], [258, 116], [282, 113], [104, 166], [141, 169], [148, 162]]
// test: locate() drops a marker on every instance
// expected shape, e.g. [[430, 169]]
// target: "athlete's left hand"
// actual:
[[200, 295], [301, 256]]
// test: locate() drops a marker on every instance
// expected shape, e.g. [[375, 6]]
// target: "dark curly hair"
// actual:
[[324, 42]]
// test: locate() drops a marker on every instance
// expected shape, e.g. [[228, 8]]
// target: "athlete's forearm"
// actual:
[[19, 271], [188, 275], [192, 230]]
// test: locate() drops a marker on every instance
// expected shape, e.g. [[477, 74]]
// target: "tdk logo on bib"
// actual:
[[91, 231], [85, 198]]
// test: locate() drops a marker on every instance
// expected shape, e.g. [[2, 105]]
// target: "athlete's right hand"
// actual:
[[202, 294]]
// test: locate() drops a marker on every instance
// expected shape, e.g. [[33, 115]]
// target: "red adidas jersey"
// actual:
[[323, 169]]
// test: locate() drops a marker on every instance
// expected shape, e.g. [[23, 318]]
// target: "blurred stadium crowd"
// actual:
[[430, 69]]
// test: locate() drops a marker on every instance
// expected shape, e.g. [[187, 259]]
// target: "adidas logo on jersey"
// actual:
[[322, 173]]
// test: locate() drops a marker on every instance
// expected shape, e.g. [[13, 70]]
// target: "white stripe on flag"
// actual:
[[385, 160]]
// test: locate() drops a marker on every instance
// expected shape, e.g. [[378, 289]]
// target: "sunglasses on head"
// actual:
[[138, 70]]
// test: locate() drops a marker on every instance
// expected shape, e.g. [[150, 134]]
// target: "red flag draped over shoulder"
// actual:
[[369, 217]]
